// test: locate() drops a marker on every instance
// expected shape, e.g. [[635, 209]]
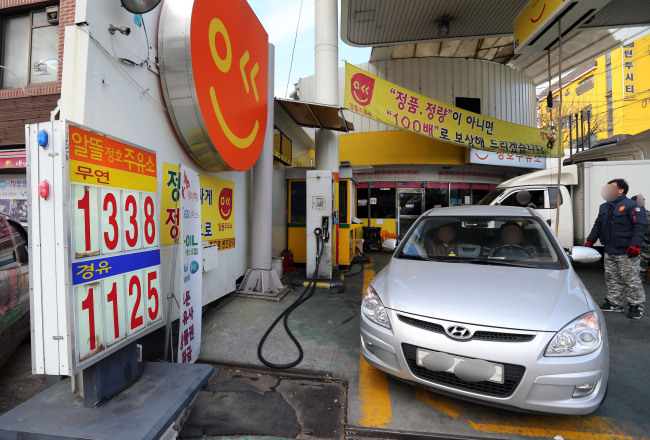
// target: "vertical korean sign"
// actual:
[[189, 337], [629, 80], [217, 209], [115, 246]]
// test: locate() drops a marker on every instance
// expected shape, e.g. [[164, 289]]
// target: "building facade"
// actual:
[[399, 174], [603, 98]]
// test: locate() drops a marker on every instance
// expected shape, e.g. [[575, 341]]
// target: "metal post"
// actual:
[[589, 129], [260, 279], [559, 148], [327, 92], [327, 80], [577, 134], [582, 131], [570, 135]]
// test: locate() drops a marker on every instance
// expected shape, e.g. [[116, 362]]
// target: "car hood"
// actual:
[[496, 296]]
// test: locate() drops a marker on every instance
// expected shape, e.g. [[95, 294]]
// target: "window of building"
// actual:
[[436, 195], [382, 202], [460, 194], [343, 201], [282, 147], [298, 200], [469, 104], [585, 85], [29, 48]]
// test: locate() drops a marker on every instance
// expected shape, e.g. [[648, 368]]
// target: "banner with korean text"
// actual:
[[115, 247], [189, 334], [378, 99], [217, 209]]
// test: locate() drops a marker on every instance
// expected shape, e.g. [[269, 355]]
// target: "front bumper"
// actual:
[[532, 382]]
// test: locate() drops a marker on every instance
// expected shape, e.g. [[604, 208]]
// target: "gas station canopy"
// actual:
[[481, 30], [307, 114]]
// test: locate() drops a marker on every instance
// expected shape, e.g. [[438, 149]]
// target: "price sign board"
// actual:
[[115, 234], [95, 246]]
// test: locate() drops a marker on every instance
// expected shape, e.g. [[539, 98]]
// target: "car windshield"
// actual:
[[506, 241]]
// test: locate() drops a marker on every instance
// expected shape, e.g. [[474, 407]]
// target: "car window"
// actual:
[[536, 199], [518, 241], [19, 237], [8, 257]]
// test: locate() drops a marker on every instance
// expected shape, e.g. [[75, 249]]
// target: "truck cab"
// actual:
[[541, 186]]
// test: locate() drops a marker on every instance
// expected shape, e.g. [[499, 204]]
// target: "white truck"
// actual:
[[580, 190]]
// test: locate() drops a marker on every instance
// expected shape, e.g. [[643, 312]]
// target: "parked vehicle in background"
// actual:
[[14, 286], [580, 193], [581, 181]]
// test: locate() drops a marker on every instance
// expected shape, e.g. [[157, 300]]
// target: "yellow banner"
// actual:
[[94, 174], [217, 209], [376, 98]]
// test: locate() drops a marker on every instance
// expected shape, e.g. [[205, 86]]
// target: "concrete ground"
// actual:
[[328, 328], [244, 399]]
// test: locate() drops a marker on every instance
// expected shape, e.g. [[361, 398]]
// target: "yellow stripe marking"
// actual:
[[569, 428], [376, 410]]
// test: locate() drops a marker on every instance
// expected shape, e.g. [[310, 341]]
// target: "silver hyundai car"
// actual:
[[482, 302]]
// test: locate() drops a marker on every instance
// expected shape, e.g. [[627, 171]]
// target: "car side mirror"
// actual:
[[389, 245], [583, 254]]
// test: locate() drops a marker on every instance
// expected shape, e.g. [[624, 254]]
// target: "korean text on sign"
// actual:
[[116, 273]]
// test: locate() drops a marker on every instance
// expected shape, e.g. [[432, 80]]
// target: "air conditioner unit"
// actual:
[[52, 14], [536, 27]]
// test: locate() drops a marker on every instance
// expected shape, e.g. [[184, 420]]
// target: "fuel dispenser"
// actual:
[[319, 222]]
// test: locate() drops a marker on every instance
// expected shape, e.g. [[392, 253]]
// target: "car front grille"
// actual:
[[512, 377], [479, 335]]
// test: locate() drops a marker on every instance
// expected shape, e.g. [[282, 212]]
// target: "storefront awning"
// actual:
[[12, 159], [307, 114]]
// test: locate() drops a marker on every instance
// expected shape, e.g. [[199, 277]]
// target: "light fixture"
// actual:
[[139, 6], [443, 26], [124, 30]]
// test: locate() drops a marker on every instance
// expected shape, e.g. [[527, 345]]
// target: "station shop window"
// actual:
[[479, 191], [385, 206], [28, 39], [436, 197], [460, 194], [343, 201], [298, 200]]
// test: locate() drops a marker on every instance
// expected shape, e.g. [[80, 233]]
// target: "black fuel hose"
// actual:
[[304, 296]]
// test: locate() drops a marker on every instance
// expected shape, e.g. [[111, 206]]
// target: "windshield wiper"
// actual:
[[497, 263], [416, 257]]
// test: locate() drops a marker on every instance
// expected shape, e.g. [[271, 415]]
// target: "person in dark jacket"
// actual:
[[621, 226]]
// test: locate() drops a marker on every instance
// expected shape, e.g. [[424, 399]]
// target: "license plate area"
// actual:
[[475, 370]]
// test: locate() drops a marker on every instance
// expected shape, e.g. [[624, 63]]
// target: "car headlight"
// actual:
[[581, 336], [373, 309]]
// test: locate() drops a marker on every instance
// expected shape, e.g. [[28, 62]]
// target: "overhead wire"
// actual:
[[118, 63], [18, 78], [293, 51]]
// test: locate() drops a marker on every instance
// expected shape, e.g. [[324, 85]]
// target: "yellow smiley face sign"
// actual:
[[227, 81]]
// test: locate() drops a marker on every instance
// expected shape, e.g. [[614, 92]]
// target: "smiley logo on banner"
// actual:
[[225, 203], [216, 84], [362, 88]]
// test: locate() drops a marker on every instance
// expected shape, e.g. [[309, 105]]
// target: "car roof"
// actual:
[[482, 210]]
